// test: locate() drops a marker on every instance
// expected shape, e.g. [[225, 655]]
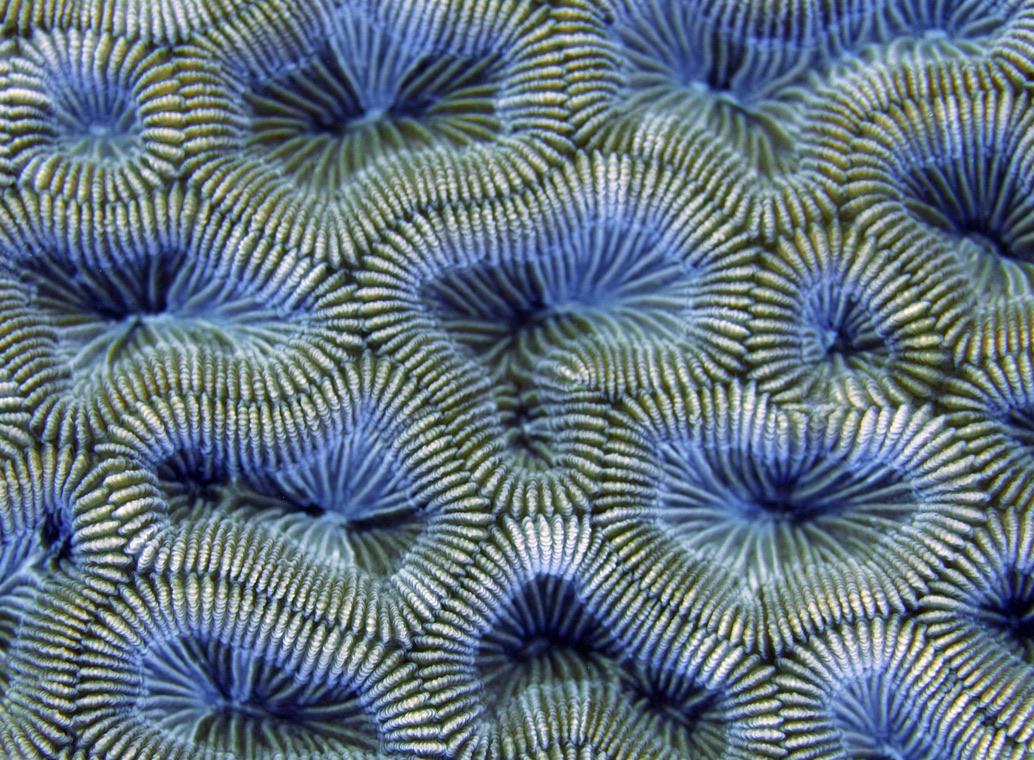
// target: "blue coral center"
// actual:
[[660, 50], [982, 206], [134, 300], [987, 241], [839, 324], [686, 711], [837, 327], [877, 718], [511, 315], [760, 514], [1008, 608], [365, 95], [679, 63], [356, 481], [351, 502], [351, 115], [191, 477], [209, 692], [1018, 425], [544, 633], [97, 123], [782, 503]]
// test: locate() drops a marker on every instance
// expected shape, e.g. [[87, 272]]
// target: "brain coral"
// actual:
[[498, 379]]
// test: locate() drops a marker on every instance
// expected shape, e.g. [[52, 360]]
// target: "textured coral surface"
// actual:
[[516, 379]]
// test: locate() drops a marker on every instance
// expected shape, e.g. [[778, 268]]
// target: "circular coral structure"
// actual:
[[507, 289], [376, 491], [835, 317], [238, 700], [527, 627], [93, 318], [878, 689], [333, 116], [170, 663], [169, 666], [980, 615], [750, 73], [91, 116], [685, 61], [353, 503], [940, 159], [993, 405], [358, 99], [783, 504]]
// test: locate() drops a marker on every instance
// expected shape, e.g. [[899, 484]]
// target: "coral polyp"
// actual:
[[535, 633], [354, 504], [377, 492], [516, 379], [942, 163], [873, 690], [781, 502], [980, 614], [606, 275], [181, 684], [836, 318], [58, 505], [354, 102], [200, 284], [542, 630], [160, 298], [93, 117], [677, 59], [333, 113], [226, 699], [35, 538], [509, 289]]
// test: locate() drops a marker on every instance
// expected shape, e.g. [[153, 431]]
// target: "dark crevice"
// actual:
[[207, 692], [56, 538], [1009, 610], [1018, 425], [334, 113], [543, 631]]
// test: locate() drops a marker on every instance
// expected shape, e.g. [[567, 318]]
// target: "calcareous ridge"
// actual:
[[516, 379]]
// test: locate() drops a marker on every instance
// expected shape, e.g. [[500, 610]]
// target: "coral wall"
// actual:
[[499, 379]]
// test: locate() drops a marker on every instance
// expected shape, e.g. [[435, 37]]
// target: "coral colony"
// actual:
[[516, 379]]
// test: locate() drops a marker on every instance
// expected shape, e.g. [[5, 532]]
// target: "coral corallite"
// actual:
[[516, 379]]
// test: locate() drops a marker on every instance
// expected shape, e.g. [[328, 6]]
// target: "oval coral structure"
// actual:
[[836, 319], [780, 503], [869, 689], [92, 116]]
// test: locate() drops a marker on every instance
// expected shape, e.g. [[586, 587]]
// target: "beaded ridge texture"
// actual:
[[516, 379]]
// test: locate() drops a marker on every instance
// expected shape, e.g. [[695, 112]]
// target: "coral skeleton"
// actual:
[[516, 379]]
